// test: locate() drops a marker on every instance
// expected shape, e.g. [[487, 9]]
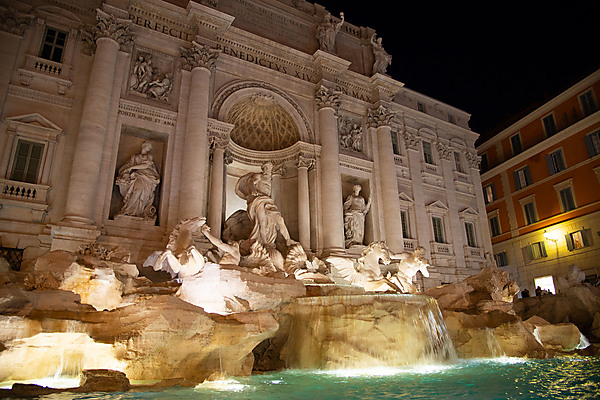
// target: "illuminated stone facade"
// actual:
[[215, 89]]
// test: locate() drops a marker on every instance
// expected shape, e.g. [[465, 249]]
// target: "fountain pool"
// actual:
[[572, 377]]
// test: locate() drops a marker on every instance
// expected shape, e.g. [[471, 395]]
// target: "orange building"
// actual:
[[541, 184]]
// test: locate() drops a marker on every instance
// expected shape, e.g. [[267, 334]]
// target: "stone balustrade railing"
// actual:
[[51, 68], [29, 192]]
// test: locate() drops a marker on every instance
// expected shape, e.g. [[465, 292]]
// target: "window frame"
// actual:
[[395, 143], [24, 175], [441, 232], [471, 236], [554, 128], [537, 250], [523, 173], [559, 188], [53, 45], [430, 154], [529, 200], [512, 144], [592, 146], [494, 215], [492, 191], [593, 106], [501, 259], [587, 239], [552, 159]]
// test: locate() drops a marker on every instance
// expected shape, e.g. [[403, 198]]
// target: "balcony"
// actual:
[[24, 201], [37, 67]]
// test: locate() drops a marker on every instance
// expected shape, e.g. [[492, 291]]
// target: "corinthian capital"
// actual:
[[326, 97], [107, 26], [474, 160], [198, 56], [445, 151], [379, 116]]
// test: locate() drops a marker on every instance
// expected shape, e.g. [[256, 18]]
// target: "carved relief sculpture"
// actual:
[[145, 80], [137, 181], [13, 21], [382, 58], [350, 135], [327, 31], [355, 210]]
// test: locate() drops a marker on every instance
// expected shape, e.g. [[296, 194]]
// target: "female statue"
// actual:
[[137, 181], [355, 210]]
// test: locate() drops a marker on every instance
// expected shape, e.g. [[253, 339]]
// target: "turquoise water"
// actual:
[[571, 377]]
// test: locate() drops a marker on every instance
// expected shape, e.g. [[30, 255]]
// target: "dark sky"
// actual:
[[491, 59]]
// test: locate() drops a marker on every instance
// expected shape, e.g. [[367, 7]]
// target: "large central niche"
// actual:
[[262, 124]]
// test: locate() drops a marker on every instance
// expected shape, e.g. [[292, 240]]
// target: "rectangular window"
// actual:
[[395, 147], [405, 224], [588, 103], [592, 143], [484, 163], [579, 239], [470, 230], [28, 158], [438, 230], [451, 118], [536, 250], [501, 259], [567, 202], [530, 214], [515, 142], [495, 226], [549, 125], [522, 177], [427, 154], [53, 45], [458, 163], [555, 162], [489, 193], [420, 106]]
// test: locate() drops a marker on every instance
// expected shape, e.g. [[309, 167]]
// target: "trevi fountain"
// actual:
[[168, 254], [255, 316]]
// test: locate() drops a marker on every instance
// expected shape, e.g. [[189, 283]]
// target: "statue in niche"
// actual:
[[351, 136], [382, 58], [327, 31], [137, 181], [255, 188], [355, 210]]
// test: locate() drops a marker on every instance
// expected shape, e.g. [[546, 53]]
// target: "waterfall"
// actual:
[[366, 331], [583, 341]]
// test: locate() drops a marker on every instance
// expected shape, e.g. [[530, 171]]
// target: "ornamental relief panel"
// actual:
[[151, 76]]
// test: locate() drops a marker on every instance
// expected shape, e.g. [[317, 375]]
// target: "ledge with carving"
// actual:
[[290, 154], [441, 249], [474, 253]]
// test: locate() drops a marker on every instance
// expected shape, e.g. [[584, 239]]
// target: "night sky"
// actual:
[[494, 60]]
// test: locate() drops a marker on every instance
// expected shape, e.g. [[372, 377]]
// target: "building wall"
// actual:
[[554, 223], [48, 102]]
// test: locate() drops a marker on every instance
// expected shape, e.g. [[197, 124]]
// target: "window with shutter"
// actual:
[[588, 103], [592, 143], [555, 162], [438, 230], [549, 125]]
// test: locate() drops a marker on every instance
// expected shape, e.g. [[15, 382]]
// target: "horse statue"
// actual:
[[181, 258], [365, 270], [408, 266]]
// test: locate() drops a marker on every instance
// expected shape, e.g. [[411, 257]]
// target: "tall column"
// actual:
[[304, 164], [107, 36], [279, 171], [328, 103], [217, 174], [200, 61], [413, 150], [380, 118]]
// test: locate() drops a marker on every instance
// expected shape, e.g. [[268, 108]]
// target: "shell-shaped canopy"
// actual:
[[262, 124]]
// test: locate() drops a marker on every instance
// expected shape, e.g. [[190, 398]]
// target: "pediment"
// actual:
[[404, 197], [437, 205], [34, 120], [469, 211]]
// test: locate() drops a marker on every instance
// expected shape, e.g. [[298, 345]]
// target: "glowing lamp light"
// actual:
[[552, 236]]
